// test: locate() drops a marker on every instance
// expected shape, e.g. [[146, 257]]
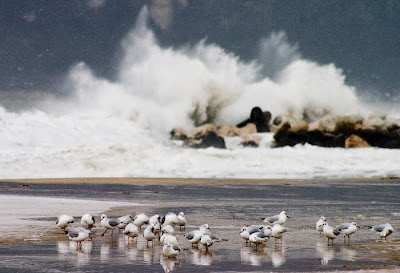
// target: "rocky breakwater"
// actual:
[[328, 131], [338, 131], [209, 135]]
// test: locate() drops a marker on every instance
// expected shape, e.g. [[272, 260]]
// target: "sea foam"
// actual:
[[121, 127]]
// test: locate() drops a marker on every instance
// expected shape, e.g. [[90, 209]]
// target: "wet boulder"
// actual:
[[259, 118], [355, 141], [211, 139]]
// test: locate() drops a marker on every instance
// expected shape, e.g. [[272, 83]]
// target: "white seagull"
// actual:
[[208, 240], [246, 231], [170, 251], [78, 234], [87, 221], [330, 232], [277, 219], [258, 238], [347, 229], [182, 220], [170, 219], [168, 238], [140, 219], [194, 236], [64, 220], [167, 229], [155, 220], [319, 224], [277, 231], [149, 234], [384, 230], [131, 230], [108, 224], [124, 221]]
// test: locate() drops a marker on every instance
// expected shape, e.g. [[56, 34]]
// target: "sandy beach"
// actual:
[[30, 208]]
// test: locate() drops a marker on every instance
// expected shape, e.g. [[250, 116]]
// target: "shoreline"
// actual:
[[192, 181], [30, 208]]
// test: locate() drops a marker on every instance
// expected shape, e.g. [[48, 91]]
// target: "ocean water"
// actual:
[[121, 127]]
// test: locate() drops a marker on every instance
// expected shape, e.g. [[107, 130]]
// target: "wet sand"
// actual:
[[225, 204]]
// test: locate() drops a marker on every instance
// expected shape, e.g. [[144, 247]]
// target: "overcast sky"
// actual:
[[41, 40]]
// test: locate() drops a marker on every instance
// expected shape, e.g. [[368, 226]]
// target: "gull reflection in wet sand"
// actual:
[[277, 254], [80, 257], [200, 256], [347, 254], [150, 254], [105, 251], [325, 253], [168, 264], [248, 255]]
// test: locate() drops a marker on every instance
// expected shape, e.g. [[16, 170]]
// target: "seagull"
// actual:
[[149, 234], [168, 238], [319, 224], [124, 221], [330, 232], [167, 229], [170, 219], [258, 238], [64, 220], [246, 231], [78, 234], [277, 219], [208, 240], [155, 220], [347, 229], [131, 230], [171, 251], [267, 230], [87, 221], [182, 220], [277, 231], [108, 224], [140, 219], [383, 229], [194, 236]]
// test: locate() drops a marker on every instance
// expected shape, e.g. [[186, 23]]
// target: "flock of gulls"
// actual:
[[163, 229]]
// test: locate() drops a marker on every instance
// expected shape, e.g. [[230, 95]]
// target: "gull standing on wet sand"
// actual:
[[170, 219], [132, 231], [124, 221], [78, 234], [140, 219], [149, 234], [347, 229], [277, 232], [258, 238], [319, 227], [246, 231], [194, 236], [171, 251], [208, 240], [384, 230], [277, 219], [182, 220], [108, 224], [87, 221], [330, 232], [64, 220]]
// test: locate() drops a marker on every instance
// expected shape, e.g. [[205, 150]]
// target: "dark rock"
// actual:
[[259, 118], [211, 139]]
